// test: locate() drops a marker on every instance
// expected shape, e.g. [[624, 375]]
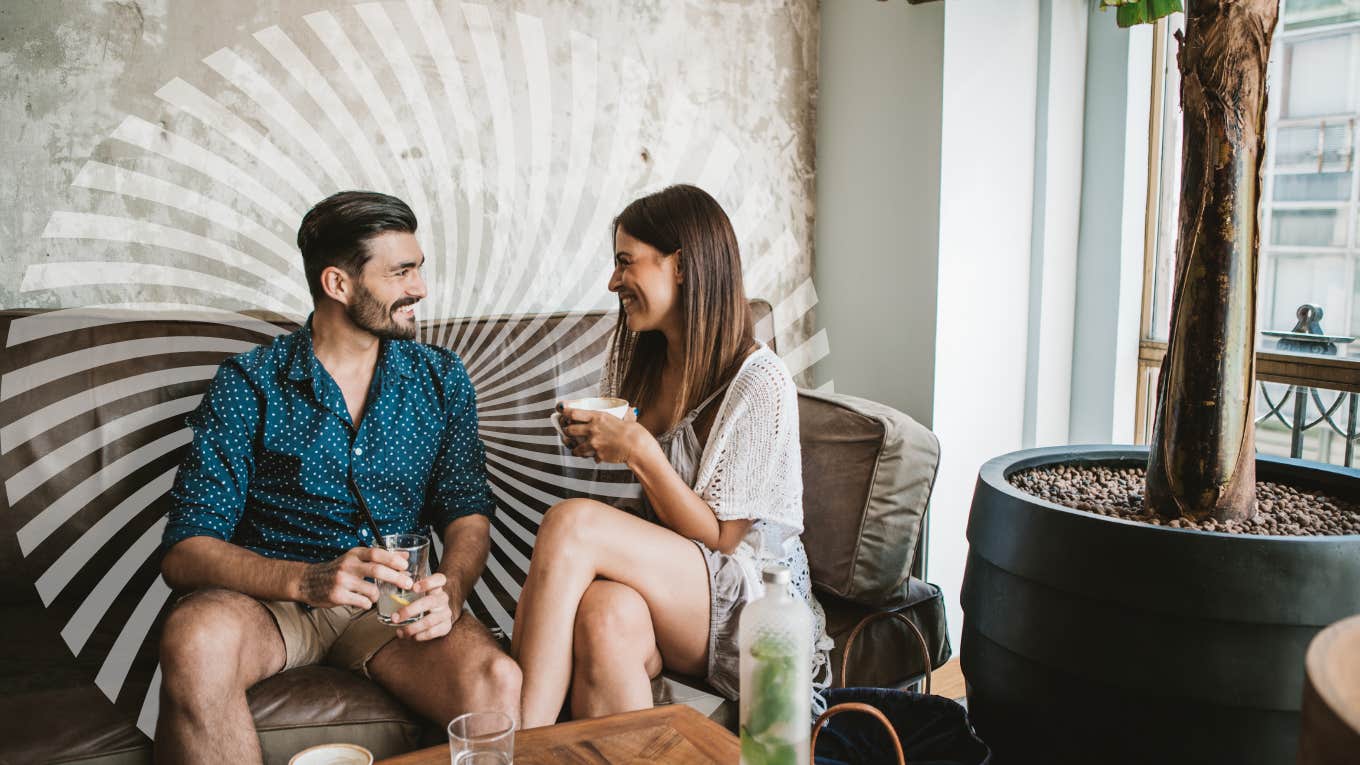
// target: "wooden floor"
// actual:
[[947, 681]]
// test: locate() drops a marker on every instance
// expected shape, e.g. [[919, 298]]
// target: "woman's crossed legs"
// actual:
[[610, 599]]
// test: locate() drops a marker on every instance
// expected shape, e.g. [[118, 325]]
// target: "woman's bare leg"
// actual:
[[579, 541], [614, 652]]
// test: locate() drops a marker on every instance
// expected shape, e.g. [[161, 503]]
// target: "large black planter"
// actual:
[[1095, 640]]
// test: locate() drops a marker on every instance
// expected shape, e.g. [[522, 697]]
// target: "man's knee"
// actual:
[[201, 643], [487, 675], [503, 676]]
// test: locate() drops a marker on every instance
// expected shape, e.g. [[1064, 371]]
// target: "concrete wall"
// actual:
[[171, 147], [878, 199], [158, 155], [1031, 126]]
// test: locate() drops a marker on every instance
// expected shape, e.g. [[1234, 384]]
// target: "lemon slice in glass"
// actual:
[[399, 599]]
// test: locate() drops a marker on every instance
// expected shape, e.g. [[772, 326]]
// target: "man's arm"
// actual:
[[467, 541], [209, 497], [199, 562]]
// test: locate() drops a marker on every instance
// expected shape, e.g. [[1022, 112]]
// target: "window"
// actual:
[[1310, 211], [1310, 229]]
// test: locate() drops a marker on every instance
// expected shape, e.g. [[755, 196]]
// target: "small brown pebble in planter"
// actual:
[[1118, 492]]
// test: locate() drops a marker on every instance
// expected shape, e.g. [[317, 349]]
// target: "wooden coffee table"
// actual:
[[657, 736]]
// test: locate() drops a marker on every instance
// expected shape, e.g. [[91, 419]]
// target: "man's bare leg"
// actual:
[[464, 671], [215, 645]]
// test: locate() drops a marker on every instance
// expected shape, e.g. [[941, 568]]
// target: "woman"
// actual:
[[611, 598]]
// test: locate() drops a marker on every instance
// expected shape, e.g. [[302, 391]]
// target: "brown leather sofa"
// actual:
[[92, 412]]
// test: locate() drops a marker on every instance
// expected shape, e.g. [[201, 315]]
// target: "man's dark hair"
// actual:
[[336, 230]]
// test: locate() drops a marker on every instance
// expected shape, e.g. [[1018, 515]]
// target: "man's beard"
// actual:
[[370, 315]]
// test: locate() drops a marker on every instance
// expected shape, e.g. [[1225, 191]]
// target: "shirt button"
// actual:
[[358, 450]]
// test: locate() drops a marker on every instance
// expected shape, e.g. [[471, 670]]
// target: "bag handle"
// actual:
[[854, 706], [850, 642]]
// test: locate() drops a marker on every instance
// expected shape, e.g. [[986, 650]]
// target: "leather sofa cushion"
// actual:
[[292, 711], [68, 725], [302, 707], [868, 471], [886, 654]]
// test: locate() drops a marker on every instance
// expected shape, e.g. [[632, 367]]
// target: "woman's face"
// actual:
[[647, 282]]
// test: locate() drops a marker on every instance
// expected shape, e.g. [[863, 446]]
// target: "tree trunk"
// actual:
[[1203, 461]]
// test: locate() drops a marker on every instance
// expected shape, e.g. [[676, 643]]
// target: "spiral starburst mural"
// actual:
[[515, 141]]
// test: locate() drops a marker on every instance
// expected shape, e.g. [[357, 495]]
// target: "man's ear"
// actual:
[[336, 284]]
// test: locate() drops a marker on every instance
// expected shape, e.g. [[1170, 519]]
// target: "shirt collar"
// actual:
[[393, 356], [303, 361]]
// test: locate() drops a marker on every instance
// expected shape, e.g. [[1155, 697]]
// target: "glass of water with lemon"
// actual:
[[392, 598]]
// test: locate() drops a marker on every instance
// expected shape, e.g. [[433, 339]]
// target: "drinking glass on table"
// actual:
[[482, 738], [392, 598]]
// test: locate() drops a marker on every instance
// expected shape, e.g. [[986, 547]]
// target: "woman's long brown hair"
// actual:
[[719, 329]]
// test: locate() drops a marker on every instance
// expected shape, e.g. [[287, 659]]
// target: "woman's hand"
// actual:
[[603, 436]]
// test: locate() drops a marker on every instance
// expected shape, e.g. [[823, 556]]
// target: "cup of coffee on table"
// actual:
[[333, 754], [615, 406]]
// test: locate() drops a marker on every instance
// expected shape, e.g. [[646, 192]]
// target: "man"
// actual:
[[265, 525]]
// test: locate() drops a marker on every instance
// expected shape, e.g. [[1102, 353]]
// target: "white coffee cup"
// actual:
[[615, 406], [333, 754]]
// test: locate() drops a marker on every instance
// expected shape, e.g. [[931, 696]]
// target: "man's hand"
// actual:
[[341, 582], [439, 609]]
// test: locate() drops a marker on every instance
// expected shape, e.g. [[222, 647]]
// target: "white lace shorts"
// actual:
[[728, 592]]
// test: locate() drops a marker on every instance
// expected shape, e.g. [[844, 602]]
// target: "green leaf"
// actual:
[[755, 751], [1163, 8], [773, 694], [1131, 14], [781, 753], [1145, 11], [771, 648], [752, 751]]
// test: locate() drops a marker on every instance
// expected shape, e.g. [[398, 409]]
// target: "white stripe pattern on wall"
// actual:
[[515, 140]]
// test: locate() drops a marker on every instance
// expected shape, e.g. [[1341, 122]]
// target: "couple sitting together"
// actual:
[[266, 529]]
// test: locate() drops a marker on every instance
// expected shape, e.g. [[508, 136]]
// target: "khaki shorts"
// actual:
[[342, 636]]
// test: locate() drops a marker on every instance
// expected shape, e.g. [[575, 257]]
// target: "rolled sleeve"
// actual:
[[209, 494], [458, 483]]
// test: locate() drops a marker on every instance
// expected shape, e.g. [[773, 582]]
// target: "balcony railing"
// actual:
[[1307, 405]]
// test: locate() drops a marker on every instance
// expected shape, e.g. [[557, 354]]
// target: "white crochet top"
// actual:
[[752, 468]]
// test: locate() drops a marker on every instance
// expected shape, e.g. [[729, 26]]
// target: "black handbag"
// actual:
[[893, 725]]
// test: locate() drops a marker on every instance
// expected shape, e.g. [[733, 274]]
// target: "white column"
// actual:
[[987, 166], [1110, 251], [1057, 219]]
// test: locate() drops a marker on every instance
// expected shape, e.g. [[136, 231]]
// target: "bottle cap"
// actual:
[[775, 574]]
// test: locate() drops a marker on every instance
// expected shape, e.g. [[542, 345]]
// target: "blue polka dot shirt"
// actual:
[[274, 450]]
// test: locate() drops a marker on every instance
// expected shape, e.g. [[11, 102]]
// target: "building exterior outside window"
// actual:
[[1310, 224]]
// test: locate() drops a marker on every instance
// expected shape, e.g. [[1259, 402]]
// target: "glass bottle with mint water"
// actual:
[[775, 634]]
